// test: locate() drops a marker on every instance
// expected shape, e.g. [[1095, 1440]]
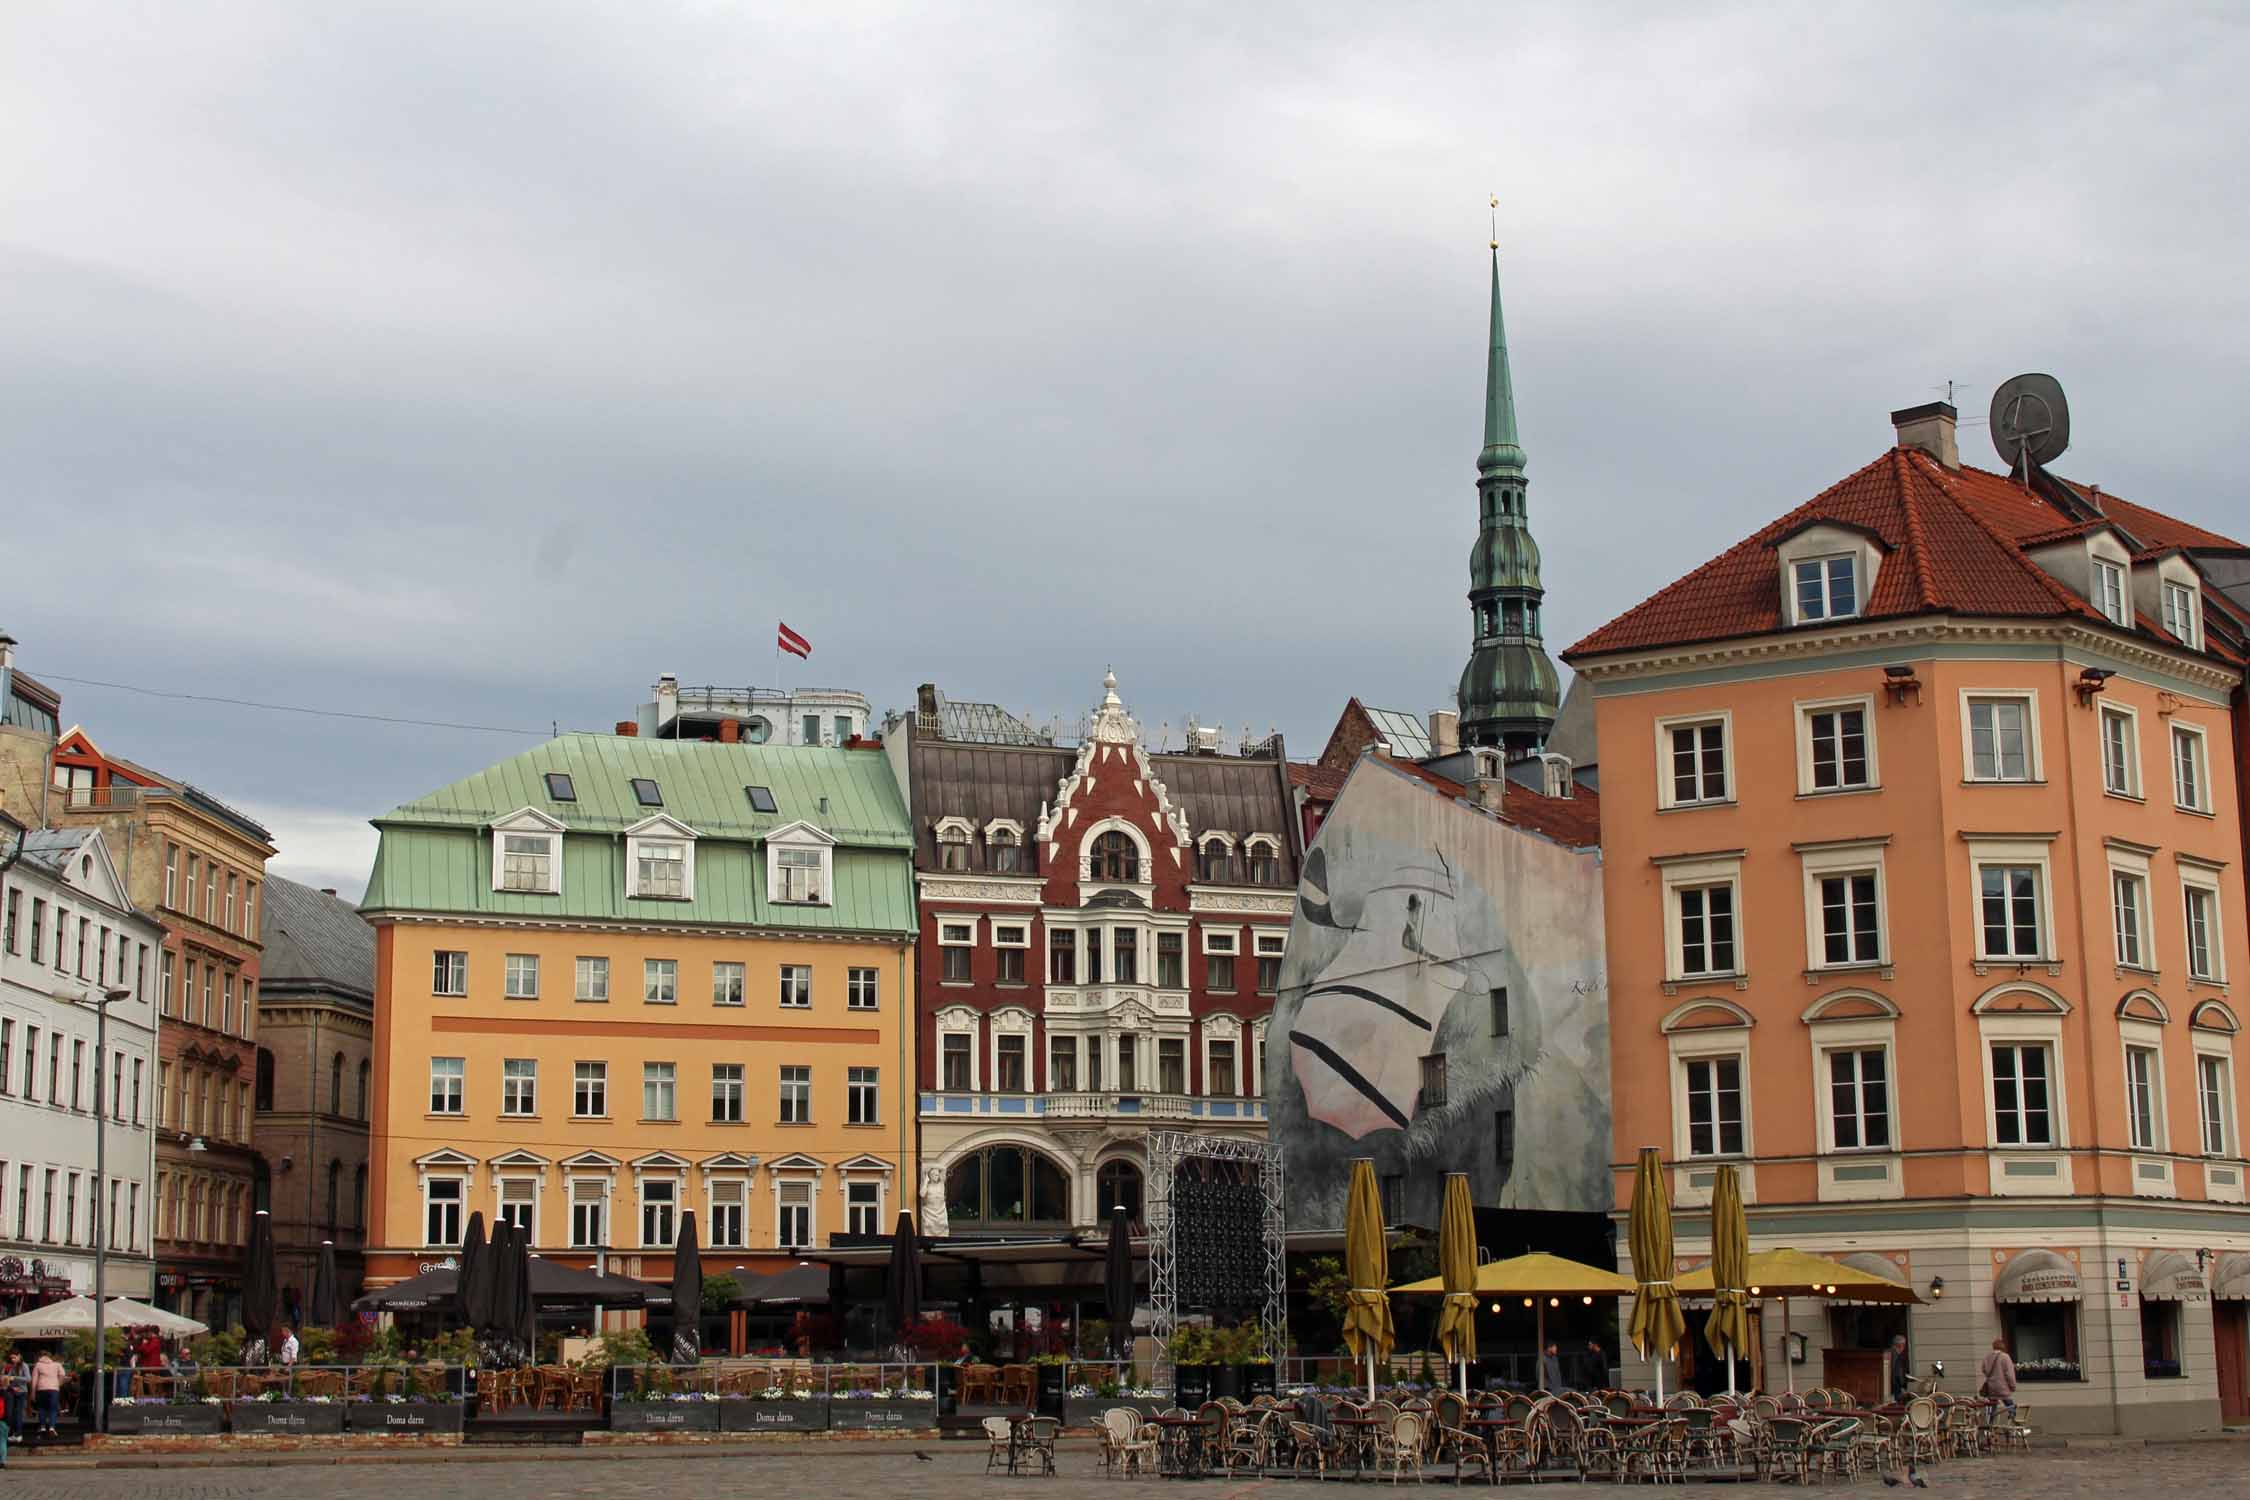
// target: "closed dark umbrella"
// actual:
[[904, 1278], [505, 1279], [687, 1295], [324, 1307], [472, 1286], [1117, 1283], [522, 1312], [261, 1292]]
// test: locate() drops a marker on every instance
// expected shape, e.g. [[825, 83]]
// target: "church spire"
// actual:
[[1509, 691]]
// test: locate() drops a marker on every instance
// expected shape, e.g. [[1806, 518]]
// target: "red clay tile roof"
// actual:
[[1575, 820], [1322, 783], [1953, 542]]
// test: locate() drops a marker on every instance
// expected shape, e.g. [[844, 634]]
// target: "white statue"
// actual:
[[931, 1220]]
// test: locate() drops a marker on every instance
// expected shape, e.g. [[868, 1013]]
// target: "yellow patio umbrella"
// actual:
[[1367, 1269], [1457, 1269], [1657, 1325], [1728, 1327], [1536, 1277], [1786, 1273]]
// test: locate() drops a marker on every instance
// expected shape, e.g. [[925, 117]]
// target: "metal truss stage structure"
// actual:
[[1170, 1150]]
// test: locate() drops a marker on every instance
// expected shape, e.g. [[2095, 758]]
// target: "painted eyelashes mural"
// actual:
[[1401, 951]]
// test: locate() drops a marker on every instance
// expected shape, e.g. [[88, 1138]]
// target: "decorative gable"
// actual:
[[1112, 747]]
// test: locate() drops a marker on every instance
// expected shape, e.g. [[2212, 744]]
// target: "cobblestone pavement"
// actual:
[[2122, 1472]]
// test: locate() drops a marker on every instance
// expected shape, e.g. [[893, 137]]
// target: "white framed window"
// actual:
[[660, 860], [863, 1207], [519, 1204], [2128, 904], [589, 1212], [528, 857], [1706, 922], [449, 975], [1011, 942], [1835, 746], [660, 981], [1269, 948], [2000, 736], [446, 1074], [1011, 1051], [519, 1086], [1695, 760], [1851, 925], [795, 1095], [2144, 1097], [1859, 1098], [956, 941], [442, 1198], [593, 980], [2109, 592], [2183, 617], [861, 989], [2023, 1103], [953, 839], [1262, 852], [729, 1197], [1711, 1092], [660, 1091], [660, 1212], [957, 1062], [2191, 774], [1825, 588], [2214, 1095], [522, 976], [793, 1213], [726, 983], [799, 865], [2121, 751], [590, 1090], [2206, 948], [796, 986], [726, 1093], [2012, 900], [1220, 946], [863, 1096], [1003, 840]]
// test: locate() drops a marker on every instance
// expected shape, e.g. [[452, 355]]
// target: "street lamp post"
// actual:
[[101, 1226]]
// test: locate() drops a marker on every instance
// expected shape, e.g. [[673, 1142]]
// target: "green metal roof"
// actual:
[[436, 853]]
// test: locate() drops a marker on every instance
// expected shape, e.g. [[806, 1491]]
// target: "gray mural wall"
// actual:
[[1414, 911]]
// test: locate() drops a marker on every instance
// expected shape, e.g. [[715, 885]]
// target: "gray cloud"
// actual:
[[482, 362]]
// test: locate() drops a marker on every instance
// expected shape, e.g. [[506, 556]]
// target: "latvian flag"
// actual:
[[793, 643]]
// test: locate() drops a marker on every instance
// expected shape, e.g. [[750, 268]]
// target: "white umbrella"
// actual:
[[76, 1315]]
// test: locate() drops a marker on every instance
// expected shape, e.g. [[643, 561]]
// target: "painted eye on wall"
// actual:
[[1312, 891]]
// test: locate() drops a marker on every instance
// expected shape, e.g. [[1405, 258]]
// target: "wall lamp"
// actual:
[[1937, 1287], [2091, 681]]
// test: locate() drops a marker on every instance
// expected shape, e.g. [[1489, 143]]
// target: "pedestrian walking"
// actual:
[[1997, 1382], [1902, 1390], [1550, 1368], [46, 1392]]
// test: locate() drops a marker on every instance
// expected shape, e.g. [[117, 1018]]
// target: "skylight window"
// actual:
[[559, 787], [761, 799], [646, 792]]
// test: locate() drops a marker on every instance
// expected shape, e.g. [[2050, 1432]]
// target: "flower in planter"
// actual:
[[124, 1401], [212, 1401]]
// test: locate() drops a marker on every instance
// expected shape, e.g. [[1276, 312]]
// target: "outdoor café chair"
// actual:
[[1128, 1445], [999, 1434], [2013, 1433], [1921, 1432], [1783, 1453], [1310, 1449]]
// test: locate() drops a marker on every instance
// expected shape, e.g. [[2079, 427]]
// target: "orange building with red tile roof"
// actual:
[[1923, 849]]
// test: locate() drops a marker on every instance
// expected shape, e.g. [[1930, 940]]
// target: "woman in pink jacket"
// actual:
[[46, 1392]]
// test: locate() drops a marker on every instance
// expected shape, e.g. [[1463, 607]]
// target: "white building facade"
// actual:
[[68, 935], [754, 715]]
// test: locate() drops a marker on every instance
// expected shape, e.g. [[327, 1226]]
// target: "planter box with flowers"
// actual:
[[881, 1411], [142, 1416], [403, 1416], [2048, 1369], [778, 1410], [679, 1411], [299, 1416]]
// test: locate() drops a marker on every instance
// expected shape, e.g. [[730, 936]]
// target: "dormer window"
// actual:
[[527, 853], [1827, 588], [1213, 860], [1116, 857], [800, 874], [1003, 841], [799, 866], [953, 839], [660, 860], [2181, 618], [2109, 592], [1264, 855]]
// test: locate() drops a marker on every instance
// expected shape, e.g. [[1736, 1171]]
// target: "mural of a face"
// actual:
[[1401, 951]]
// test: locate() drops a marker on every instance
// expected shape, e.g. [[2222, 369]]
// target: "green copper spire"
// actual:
[[1500, 449], [1509, 691]]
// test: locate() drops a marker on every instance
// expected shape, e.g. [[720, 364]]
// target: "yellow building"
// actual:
[[621, 979]]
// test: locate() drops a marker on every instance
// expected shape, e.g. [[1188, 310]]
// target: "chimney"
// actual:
[[1445, 732], [7, 651], [328, 890], [730, 731], [628, 728], [1930, 428]]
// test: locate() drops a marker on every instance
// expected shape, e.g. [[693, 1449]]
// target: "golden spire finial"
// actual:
[[1496, 223]]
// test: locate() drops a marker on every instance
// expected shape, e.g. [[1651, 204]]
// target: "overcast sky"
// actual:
[[481, 362]]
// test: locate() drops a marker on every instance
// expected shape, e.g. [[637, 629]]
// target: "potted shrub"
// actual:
[[1195, 1355]]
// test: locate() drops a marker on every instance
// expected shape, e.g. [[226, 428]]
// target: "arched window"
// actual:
[[953, 848], [1006, 851], [335, 1183], [265, 1079], [1211, 861], [1118, 1182], [1116, 857], [336, 1091], [1007, 1185], [363, 1088]]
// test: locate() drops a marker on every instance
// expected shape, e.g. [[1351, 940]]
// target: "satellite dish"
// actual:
[[2030, 421]]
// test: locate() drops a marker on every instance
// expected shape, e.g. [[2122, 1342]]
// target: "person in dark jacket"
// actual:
[[1902, 1369]]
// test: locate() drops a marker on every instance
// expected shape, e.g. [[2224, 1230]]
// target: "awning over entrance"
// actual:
[[2171, 1276], [2230, 1280], [2038, 1276]]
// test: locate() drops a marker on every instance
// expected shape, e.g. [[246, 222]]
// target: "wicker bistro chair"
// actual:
[[2012, 1433], [1785, 1452], [1398, 1447], [1829, 1450], [1309, 1449], [1249, 1441], [1128, 1446], [999, 1434], [1921, 1432]]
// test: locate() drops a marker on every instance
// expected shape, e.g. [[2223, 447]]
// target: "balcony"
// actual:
[[1218, 1109]]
